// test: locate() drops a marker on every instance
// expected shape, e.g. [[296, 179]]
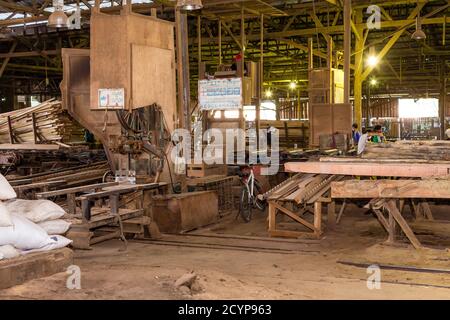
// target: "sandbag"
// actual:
[[35, 210], [57, 226], [8, 252], [6, 191], [24, 234], [58, 242], [5, 219]]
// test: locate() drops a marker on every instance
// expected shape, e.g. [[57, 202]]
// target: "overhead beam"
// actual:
[[392, 41]]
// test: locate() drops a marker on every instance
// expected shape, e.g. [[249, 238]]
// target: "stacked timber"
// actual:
[[436, 150], [46, 122]]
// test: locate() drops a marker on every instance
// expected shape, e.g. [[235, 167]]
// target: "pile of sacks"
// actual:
[[29, 225]]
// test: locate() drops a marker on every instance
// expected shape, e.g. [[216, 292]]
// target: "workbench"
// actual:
[[105, 211]]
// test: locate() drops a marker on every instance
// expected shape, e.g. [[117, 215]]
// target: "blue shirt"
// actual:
[[356, 135]]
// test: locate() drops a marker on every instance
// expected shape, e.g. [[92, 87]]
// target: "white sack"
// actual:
[[6, 191], [24, 234], [8, 251], [58, 242], [35, 210], [57, 226], [5, 219]]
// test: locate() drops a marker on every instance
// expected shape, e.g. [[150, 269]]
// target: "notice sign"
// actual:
[[111, 98], [220, 94]]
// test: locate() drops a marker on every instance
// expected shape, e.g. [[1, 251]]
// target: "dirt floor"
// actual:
[[300, 270]]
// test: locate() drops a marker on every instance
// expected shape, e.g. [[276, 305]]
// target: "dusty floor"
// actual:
[[148, 271]]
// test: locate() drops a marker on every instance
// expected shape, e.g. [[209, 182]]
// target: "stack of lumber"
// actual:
[[73, 176], [46, 122], [432, 150], [302, 188]]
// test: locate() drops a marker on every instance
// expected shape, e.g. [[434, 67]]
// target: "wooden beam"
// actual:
[[430, 189], [28, 146], [393, 40], [370, 169], [28, 54], [393, 211]]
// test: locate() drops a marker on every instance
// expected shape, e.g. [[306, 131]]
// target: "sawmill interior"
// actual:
[[146, 144]]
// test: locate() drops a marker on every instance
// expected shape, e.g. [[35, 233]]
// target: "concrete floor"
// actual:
[[148, 271]]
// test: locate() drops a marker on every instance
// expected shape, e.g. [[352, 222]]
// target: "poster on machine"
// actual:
[[220, 94], [111, 98]]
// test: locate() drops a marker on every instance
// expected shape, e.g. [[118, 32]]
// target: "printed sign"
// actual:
[[220, 94], [111, 98]]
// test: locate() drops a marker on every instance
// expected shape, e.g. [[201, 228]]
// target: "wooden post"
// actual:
[[272, 215], [331, 215], [357, 84], [33, 122], [183, 70], [392, 229], [10, 130], [317, 217], [199, 39], [71, 204], [347, 48], [220, 42]]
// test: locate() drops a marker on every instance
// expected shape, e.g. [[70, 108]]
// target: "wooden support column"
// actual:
[[331, 215], [241, 111], [220, 42], [357, 84], [261, 79], [347, 48], [199, 40], [182, 70], [317, 218], [442, 99], [330, 67], [310, 54]]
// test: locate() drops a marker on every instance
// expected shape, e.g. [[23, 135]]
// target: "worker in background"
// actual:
[[362, 141], [355, 134], [447, 134], [237, 59], [377, 134]]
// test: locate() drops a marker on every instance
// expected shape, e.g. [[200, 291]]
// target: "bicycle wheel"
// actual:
[[245, 205], [260, 204]]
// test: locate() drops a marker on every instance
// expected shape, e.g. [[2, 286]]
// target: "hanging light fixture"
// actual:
[[418, 34], [58, 18], [189, 5]]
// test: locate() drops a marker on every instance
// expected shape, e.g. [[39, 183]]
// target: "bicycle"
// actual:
[[249, 196]]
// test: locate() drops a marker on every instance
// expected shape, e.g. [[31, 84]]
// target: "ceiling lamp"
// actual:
[[58, 18], [418, 34], [189, 5]]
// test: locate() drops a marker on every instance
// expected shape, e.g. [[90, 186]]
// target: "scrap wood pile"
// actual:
[[46, 122], [76, 175], [433, 150], [22, 162]]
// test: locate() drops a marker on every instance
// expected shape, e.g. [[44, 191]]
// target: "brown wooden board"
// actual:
[[18, 270], [433, 188], [187, 211]]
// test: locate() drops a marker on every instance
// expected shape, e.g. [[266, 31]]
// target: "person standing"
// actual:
[[447, 134], [355, 134]]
